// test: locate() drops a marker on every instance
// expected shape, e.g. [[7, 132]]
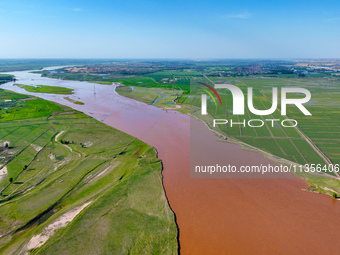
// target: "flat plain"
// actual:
[[70, 184]]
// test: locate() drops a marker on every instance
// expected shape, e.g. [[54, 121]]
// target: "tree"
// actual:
[[10, 179]]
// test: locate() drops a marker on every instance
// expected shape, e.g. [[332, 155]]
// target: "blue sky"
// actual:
[[169, 29]]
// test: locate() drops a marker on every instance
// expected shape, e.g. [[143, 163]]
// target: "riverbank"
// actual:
[[55, 161], [330, 183], [215, 216]]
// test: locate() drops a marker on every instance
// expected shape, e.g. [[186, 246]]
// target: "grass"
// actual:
[[321, 125], [324, 185], [46, 89], [156, 97], [172, 75], [146, 97], [287, 143], [62, 159], [141, 81], [102, 82], [163, 79], [73, 101]]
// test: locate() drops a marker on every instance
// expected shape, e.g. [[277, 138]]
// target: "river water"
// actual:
[[215, 216]]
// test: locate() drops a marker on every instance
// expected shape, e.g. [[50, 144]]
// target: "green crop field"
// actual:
[[321, 129], [287, 141], [316, 140], [59, 160], [284, 142]]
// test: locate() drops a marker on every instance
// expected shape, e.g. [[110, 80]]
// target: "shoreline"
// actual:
[[209, 198], [276, 159]]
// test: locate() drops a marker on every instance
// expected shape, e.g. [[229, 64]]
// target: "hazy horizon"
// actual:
[[176, 59], [189, 30]]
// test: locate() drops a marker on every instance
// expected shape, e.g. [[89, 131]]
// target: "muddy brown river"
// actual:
[[214, 216]]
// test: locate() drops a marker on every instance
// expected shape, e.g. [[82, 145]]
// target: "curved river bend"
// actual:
[[215, 216]]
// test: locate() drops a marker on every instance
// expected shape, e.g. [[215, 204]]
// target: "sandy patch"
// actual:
[[328, 189], [88, 144], [102, 173], [4, 143], [106, 170], [3, 173], [39, 240], [172, 108], [30, 188], [59, 164], [67, 147], [36, 147]]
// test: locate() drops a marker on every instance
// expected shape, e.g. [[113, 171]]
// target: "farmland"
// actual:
[[171, 86], [283, 142], [321, 127], [316, 140], [168, 84], [280, 141], [57, 162]]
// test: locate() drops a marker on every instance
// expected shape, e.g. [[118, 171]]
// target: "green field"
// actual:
[[167, 84], [320, 127], [155, 96], [174, 75], [288, 143], [46, 89], [180, 80], [58, 160]]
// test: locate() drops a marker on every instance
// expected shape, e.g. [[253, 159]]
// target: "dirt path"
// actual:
[[56, 139], [57, 136]]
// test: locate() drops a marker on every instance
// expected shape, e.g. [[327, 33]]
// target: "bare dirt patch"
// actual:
[[39, 240]]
